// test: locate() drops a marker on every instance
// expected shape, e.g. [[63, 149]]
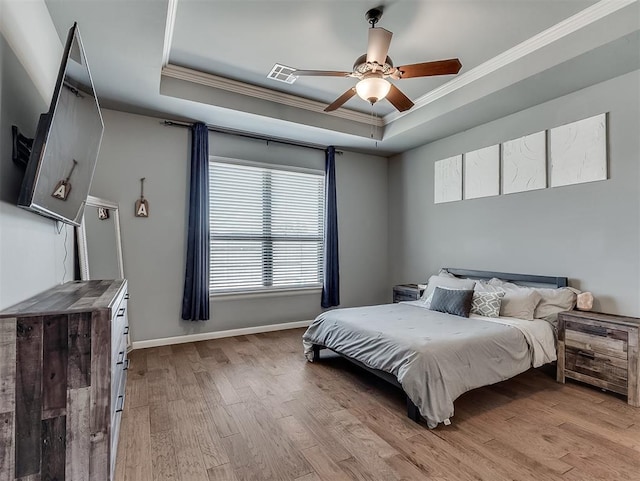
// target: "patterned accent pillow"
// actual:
[[486, 303]]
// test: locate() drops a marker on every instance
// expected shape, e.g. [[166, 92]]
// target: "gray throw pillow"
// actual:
[[446, 282], [456, 302]]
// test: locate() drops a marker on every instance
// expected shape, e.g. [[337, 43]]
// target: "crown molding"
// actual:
[[558, 31], [235, 86], [172, 9]]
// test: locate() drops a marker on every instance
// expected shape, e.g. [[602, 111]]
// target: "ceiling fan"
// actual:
[[375, 67]]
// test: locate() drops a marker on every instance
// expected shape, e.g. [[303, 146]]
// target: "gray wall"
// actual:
[[588, 232], [32, 251], [153, 248]]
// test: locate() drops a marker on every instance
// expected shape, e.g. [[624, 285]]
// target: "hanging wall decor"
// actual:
[[524, 163], [482, 172], [103, 213], [63, 187], [142, 205], [579, 151], [448, 180]]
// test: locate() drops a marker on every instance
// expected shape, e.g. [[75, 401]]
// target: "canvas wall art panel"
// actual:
[[447, 184], [482, 172], [524, 163], [578, 151]]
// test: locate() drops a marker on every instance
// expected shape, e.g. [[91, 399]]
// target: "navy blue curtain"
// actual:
[[331, 277], [195, 300]]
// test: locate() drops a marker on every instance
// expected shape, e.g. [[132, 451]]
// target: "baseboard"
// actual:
[[205, 336]]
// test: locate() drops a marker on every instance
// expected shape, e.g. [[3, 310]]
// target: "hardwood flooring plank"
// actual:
[[300, 436], [163, 463], [309, 477], [222, 473], [323, 465], [191, 465], [138, 463], [159, 419]]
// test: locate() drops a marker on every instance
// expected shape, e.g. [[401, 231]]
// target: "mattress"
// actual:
[[436, 357]]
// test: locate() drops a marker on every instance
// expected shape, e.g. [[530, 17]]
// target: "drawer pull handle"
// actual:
[[126, 365], [589, 355], [126, 330], [126, 296], [120, 357], [120, 312], [120, 404]]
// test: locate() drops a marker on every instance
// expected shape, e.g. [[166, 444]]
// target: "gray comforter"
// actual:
[[436, 357]]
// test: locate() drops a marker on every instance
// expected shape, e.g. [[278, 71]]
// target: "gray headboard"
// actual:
[[524, 279]]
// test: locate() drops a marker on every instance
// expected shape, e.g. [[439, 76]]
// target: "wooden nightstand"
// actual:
[[600, 349], [406, 292]]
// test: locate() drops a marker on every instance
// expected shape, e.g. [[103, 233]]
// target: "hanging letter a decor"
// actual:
[[63, 187], [142, 206]]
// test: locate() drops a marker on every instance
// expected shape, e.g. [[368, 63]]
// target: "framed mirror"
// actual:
[[99, 242]]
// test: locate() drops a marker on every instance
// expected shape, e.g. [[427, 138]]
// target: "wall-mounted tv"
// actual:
[[67, 141]]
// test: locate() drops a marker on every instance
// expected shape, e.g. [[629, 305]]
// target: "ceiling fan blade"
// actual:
[[378, 46], [399, 100], [341, 100], [428, 69], [320, 73]]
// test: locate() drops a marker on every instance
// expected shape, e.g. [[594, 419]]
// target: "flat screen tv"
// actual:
[[67, 141]]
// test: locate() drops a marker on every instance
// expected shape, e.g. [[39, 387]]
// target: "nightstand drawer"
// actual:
[[606, 346], [611, 369]]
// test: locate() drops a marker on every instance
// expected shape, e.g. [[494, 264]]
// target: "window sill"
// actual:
[[299, 291]]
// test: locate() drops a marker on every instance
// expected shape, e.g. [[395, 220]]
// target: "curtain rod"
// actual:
[[240, 133]]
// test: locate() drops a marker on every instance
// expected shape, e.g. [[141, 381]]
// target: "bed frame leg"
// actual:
[[316, 352], [412, 411]]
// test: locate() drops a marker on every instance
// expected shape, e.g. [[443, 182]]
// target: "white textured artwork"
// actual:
[[447, 180], [579, 151], [482, 172], [524, 163]]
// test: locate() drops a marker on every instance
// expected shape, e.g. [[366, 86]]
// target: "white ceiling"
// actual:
[[240, 40]]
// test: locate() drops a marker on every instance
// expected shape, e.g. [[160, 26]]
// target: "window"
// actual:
[[266, 227]]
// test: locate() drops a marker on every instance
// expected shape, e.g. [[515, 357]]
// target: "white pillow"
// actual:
[[445, 283], [518, 302], [552, 300]]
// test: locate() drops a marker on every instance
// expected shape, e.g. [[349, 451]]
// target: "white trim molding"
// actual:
[[562, 29], [255, 91], [172, 9], [206, 336]]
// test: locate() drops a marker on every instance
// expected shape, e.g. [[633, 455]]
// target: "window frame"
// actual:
[[268, 291]]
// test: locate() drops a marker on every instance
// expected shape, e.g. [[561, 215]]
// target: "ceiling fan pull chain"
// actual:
[[372, 123]]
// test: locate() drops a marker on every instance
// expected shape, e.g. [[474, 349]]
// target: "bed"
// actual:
[[432, 356]]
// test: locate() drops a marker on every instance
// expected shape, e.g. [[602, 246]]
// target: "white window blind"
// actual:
[[266, 228]]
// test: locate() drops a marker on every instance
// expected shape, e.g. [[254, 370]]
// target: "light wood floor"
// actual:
[[251, 408]]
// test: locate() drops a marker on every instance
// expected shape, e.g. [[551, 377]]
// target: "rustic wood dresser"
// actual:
[[63, 361]]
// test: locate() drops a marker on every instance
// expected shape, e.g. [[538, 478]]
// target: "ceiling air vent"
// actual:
[[282, 73]]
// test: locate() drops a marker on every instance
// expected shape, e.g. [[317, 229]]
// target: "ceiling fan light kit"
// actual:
[[375, 67], [373, 88]]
